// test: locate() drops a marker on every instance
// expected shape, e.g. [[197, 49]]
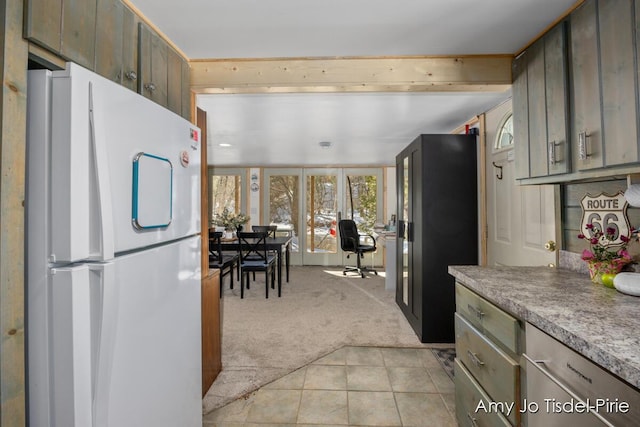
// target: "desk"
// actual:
[[390, 265], [273, 244]]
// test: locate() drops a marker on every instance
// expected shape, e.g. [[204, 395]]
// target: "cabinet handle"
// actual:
[[150, 87], [553, 158], [131, 75], [582, 146], [473, 420], [475, 359], [479, 313]]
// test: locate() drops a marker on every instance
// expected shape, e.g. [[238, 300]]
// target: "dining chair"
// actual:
[[224, 261], [255, 257]]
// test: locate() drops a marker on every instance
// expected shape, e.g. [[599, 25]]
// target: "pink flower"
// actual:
[[587, 255], [580, 236], [625, 239], [594, 241], [589, 226], [624, 255]]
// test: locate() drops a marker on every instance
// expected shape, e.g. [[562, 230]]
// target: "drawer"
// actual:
[[469, 394], [496, 372], [489, 319]]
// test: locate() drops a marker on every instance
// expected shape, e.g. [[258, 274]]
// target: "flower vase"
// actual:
[[601, 271]]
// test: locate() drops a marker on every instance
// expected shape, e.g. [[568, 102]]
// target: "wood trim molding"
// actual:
[[478, 73], [13, 110]]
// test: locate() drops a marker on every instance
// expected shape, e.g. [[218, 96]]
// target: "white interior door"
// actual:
[[520, 218]]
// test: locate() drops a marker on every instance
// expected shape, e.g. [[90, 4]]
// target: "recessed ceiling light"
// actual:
[[224, 144], [325, 145]]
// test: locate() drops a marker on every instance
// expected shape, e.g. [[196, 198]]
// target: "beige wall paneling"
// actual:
[[79, 31], [109, 36], [401, 74], [586, 101], [130, 71], [13, 113], [616, 22], [43, 23]]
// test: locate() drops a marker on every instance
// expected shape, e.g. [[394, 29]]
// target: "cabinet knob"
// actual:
[[131, 75], [550, 246], [150, 87]]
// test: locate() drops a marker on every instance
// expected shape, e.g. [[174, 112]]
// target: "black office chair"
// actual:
[[352, 241], [223, 261], [254, 256]]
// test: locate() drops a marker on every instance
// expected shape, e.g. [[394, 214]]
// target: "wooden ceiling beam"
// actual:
[[477, 73]]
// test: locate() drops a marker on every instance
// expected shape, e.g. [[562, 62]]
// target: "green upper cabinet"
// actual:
[[556, 99], [43, 23], [186, 90], [79, 32], [174, 81], [109, 39], [540, 107], [130, 49], [152, 57], [616, 21]]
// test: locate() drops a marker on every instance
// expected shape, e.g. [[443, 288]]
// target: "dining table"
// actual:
[[277, 244]]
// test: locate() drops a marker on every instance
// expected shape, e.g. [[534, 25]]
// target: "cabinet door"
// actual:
[[174, 81], [186, 90], [109, 39], [43, 23], [153, 65], [79, 31], [130, 49], [586, 115], [616, 24], [537, 111], [521, 116], [555, 71]]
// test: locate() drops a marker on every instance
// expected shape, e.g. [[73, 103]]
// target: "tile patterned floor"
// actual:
[[354, 386]]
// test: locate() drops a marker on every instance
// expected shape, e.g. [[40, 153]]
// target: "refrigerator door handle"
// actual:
[[105, 206], [104, 308]]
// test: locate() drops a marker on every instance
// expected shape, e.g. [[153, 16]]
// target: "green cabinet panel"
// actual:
[[586, 99], [43, 23], [79, 31], [174, 81], [109, 36], [556, 91], [130, 49], [152, 57], [186, 90], [540, 107], [537, 111], [521, 116], [616, 28]]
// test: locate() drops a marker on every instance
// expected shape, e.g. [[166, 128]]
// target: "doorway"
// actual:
[[309, 202]]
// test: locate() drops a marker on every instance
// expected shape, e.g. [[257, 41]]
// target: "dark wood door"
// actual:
[[109, 39], [211, 319]]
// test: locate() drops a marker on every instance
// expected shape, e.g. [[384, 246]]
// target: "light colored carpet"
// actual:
[[320, 311]]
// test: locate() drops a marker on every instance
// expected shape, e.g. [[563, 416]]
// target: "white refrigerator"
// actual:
[[113, 257]]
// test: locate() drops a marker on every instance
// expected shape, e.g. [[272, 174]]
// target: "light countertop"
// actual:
[[600, 323]]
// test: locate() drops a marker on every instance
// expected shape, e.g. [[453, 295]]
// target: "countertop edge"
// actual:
[[622, 368]]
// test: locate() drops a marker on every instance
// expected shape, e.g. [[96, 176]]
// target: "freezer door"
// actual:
[[125, 172], [119, 344]]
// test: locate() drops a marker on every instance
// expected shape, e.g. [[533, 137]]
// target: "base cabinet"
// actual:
[[487, 376]]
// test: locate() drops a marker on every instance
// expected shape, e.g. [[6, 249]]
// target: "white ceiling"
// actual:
[[284, 129]]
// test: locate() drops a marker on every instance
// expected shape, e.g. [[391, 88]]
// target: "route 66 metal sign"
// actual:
[[604, 212]]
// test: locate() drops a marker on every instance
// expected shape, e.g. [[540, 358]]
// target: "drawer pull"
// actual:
[[479, 313], [473, 420], [475, 359]]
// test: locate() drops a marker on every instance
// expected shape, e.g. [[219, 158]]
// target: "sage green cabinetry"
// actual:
[[488, 350], [540, 113], [109, 39], [130, 49], [152, 59]]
